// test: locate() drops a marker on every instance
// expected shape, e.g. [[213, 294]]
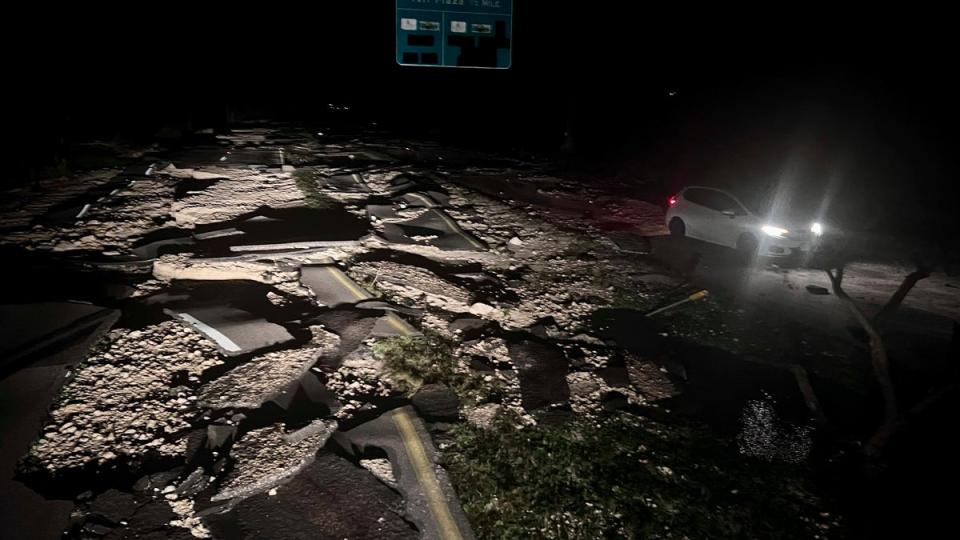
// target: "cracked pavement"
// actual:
[[273, 287], [255, 274]]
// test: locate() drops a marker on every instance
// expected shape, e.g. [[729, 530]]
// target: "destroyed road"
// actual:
[[337, 343]]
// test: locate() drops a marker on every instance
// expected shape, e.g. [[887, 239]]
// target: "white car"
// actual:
[[718, 217]]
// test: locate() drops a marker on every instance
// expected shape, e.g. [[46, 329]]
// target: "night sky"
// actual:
[[855, 96]]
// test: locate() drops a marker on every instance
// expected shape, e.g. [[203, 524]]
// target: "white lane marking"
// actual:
[[83, 211], [226, 343], [218, 234], [294, 245]]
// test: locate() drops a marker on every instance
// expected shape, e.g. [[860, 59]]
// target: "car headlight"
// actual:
[[776, 232], [816, 228]]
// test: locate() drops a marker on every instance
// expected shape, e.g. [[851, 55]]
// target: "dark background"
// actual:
[[855, 99]]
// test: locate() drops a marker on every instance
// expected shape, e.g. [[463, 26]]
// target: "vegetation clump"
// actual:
[[623, 477]]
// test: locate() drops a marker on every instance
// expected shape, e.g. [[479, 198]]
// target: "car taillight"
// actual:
[[672, 200]]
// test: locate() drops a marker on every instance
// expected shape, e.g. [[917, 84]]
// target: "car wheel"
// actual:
[[747, 244], [677, 227]]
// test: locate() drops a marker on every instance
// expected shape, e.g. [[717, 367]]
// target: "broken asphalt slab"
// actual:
[[268, 376], [345, 183], [267, 457], [24, 399], [435, 228], [31, 330], [235, 315], [331, 286], [227, 157], [233, 330], [426, 199], [298, 227], [331, 499], [430, 501], [404, 183], [76, 208]]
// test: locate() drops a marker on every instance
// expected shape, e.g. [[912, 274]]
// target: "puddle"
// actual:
[[630, 329]]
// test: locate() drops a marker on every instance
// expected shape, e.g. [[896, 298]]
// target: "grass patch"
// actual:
[[618, 477], [412, 361], [306, 180]]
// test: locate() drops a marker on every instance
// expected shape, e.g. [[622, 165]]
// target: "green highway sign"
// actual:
[[454, 33]]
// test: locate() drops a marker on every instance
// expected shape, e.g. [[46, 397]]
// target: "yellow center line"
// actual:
[[335, 272], [398, 323], [428, 480], [456, 228], [425, 200], [411, 440], [392, 318]]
